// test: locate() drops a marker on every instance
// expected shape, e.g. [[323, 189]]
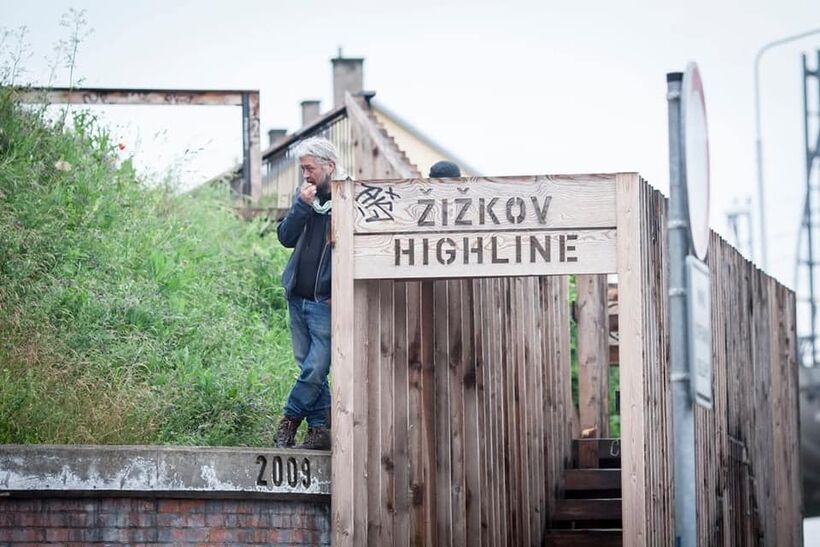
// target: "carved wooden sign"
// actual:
[[484, 227]]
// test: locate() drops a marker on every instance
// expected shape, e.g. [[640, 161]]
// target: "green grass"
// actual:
[[129, 314]]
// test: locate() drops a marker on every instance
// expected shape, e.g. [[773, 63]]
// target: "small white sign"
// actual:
[[699, 330]]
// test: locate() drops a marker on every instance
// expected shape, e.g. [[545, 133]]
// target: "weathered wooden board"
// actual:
[[349, 341], [484, 204], [593, 358], [485, 254], [484, 227]]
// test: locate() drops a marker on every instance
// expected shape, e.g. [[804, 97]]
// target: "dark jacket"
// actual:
[[293, 231]]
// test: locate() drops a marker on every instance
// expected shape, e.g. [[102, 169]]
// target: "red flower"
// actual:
[[121, 146]]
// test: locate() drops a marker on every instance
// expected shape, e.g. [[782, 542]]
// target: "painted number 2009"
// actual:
[[283, 471]]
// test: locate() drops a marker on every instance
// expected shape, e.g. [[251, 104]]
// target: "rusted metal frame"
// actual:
[[111, 96], [247, 99]]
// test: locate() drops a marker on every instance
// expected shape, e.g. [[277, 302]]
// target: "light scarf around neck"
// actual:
[[321, 208]]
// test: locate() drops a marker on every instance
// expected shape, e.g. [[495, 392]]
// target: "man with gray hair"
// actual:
[[306, 279]]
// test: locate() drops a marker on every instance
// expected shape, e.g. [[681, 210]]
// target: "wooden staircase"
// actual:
[[588, 511]]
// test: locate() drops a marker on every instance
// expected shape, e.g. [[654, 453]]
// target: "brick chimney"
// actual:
[[276, 135], [310, 111], [348, 75]]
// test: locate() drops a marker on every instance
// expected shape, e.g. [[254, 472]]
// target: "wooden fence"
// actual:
[[747, 446], [460, 411], [463, 419], [453, 413]]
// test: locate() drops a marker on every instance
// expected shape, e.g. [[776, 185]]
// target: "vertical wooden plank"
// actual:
[[470, 440], [649, 394], [456, 368], [539, 321], [522, 404], [551, 373], [780, 431], [343, 483], [733, 407], [721, 388], [541, 420], [757, 404], [386, 404], [763, 407], [512, 440], [483, 427], [484, 305], [442, 414], [661, 347], [428, 399], [791, 402], [593, 354], [401, 463], [523, 471], [705, 441], [785, 508], [631, 322], [495, 402], [373, 458], [564, 357], [360, 412], [745, 365], [537, 480], [415, 415]]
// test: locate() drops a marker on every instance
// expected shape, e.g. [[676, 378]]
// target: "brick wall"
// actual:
[[134, 521]]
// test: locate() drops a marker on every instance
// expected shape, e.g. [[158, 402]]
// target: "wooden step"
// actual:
[[583, 538], [585, 509], [592, 479]]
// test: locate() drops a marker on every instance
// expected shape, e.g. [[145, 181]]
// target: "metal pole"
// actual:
[[809, 223], [246, 146], [683, 423], [759, 142]]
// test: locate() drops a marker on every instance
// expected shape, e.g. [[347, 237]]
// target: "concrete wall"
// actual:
[[141, 495]]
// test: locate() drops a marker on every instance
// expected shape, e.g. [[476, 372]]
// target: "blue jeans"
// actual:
[[310, 331]]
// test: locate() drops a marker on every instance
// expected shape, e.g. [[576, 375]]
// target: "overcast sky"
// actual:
[[511, 87]]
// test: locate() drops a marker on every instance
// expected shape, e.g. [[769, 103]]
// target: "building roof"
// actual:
[[422, 137]]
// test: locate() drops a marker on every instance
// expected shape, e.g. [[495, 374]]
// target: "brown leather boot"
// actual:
[[286, 432], [318, 438]]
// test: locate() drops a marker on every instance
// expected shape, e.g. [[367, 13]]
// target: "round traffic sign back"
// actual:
[[696, 158]]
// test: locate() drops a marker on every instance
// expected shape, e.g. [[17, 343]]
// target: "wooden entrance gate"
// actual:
[[452, 409]]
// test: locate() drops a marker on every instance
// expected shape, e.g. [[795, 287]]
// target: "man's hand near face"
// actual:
[[307, 192]]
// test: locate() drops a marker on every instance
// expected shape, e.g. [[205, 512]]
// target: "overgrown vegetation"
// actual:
[[128, 314]]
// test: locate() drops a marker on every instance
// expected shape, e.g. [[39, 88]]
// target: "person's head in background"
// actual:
[[444, 169], [317, 160]]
